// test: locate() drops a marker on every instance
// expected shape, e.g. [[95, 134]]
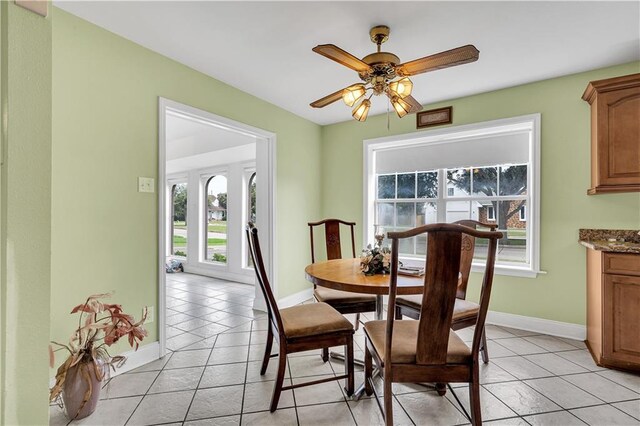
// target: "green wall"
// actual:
[[565, 166], [25, 214], [105, 121]]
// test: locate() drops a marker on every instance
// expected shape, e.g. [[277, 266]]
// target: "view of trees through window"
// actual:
[[179, 212], [495, 195], [216, 218]]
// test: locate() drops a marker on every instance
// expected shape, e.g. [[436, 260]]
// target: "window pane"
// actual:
[[407, 185], [252, 198], [487, 211], [428, 185], [513, 248], [179, 237], [460, 181], [387, 186], [513, 180], [426, 213], [461, 210], [385, 214], [407, 245], [485, 181], [216, 244], [406, 214]]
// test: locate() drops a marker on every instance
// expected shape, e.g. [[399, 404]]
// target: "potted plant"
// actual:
[[79, 378]]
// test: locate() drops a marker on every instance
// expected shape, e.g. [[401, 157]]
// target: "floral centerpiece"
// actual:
[[375, 260], [78, 379]]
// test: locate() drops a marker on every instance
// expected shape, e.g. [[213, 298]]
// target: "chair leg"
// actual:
[[398, 313], [484, 350], [325, 354], [368, 371], [388, 402], [277, 387], [441, 388], [267, 352], [474, 397], [357, 324], [348, 367]]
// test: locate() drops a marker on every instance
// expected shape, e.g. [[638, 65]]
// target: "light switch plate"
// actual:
[[146, 184]]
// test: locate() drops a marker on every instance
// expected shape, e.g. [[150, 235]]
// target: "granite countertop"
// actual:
[[611, 240]]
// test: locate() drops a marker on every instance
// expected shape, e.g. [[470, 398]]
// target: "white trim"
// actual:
[[510, 125], [491, 217], [265, 152], [296, 298], [538, 325]]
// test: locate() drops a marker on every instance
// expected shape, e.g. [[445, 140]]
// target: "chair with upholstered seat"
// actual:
[[299, 328], [464, 311], [428, 350], [342, 301]]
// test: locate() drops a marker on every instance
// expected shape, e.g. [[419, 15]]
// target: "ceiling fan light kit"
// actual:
[[383, 73]]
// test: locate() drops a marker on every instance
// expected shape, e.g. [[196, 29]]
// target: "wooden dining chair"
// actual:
[[464, 311], [428, 350], [299, 328], [342, 301]]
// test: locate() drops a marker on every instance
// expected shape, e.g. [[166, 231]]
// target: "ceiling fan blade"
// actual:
[[449, 58], [341, 56], [415, 105], [329, 99]]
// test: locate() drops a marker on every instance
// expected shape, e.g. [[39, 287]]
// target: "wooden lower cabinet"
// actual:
[[613, 309]]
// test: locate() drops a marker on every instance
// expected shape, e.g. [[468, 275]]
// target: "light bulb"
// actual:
[[400, 105], [351, 94], [361, 111], [401, 87]]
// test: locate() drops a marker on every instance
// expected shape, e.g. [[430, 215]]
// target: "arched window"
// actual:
[[179, 220], [251, 205], [215, 247]]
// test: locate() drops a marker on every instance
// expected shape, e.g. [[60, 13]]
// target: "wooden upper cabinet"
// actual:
[[615, 134]]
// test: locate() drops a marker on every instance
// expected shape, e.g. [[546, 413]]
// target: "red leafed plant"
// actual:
[[99, 325]]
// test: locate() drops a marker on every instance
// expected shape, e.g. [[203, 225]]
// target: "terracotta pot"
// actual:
[[75, 386]]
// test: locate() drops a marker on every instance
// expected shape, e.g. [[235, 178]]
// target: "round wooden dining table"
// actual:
[[345, 275]]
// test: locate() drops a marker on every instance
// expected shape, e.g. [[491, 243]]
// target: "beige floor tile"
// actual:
[[549, 343], [253, 371], [601, 387], [491, 407], [628, 380], [563, 393], [109, 412], [216, 421], [515, 421], [216, 402], [428, 408], [520, 346], [555, 364], [162, 408], [182, 359], [128, 385], [233, 339], [521, 398], [326, 414], [177, 380], [281, 417], [604, 415], [257, 396], [309, 366], [521, 368], [632, 408], [582, 358], [367, 412], [223, 375], [229, 355], [318, 394], [558, 418]]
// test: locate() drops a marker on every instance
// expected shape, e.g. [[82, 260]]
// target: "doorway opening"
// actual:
[[215, 175]]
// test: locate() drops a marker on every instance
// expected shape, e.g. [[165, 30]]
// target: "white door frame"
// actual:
[[265, 203]]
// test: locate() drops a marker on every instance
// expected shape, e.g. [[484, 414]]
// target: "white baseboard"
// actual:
[[223, 275], [538, 325], [296, 298]]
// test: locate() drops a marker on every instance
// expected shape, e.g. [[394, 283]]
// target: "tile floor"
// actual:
[[211, 377]]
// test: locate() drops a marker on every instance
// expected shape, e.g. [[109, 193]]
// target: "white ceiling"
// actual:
[[264, 48], [188, 138]]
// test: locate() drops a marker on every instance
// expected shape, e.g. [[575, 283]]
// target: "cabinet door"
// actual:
[[621, 300], [619, 137]]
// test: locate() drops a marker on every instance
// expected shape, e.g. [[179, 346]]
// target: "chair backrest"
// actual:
[[466, 255], [332, 238], [442, 267], [263, 279]]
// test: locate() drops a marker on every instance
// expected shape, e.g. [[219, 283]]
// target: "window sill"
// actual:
[[513, 271]]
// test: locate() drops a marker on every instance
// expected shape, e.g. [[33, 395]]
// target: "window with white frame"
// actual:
[[215, 241], [179, 219], [486, 172], [251, 211]]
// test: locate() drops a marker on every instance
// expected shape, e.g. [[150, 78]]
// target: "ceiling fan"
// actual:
[[383, 73]]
